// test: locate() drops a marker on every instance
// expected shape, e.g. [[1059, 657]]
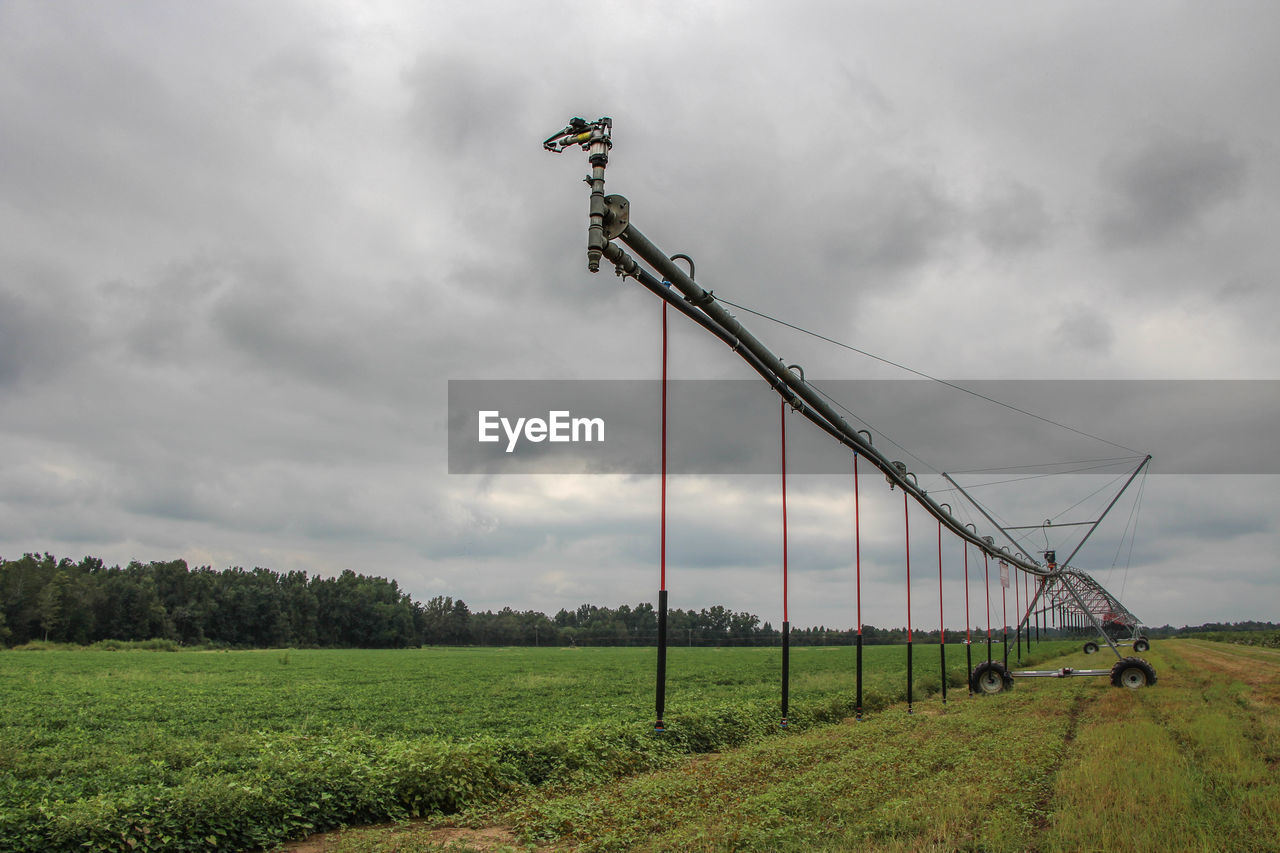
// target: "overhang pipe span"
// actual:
[[776, 372], [627, 266]]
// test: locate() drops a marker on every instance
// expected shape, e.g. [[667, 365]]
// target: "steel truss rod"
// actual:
[[1077, 592], [1088, 612], [1044, 526], [985, 514], [1080, 585], [1092, 525], [1132, 477]]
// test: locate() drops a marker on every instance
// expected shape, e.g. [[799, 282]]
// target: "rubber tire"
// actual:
[[990, 678], [1132, 673], [1141, 644], [1091, 648]]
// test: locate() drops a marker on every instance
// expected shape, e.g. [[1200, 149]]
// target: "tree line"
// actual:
[[58, 600]]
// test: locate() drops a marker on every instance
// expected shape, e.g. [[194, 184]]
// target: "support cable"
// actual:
[[924, 375], [1142, 488], [1101, 488], [1091, 462], [842, 407], [1080, 470]]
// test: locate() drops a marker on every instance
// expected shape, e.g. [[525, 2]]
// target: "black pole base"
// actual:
[[909, 677], [858, 705], [942, 656], [968, 659], [786, 670], [660, 699]]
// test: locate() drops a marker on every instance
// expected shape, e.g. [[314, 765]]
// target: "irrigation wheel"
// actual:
[[990, 677], [1090, 648], [1132, 673], [1141, 644]]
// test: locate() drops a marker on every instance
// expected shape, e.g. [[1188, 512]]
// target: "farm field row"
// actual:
[[1054, 765], [216, 750]]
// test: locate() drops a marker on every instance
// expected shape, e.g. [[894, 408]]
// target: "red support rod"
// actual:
[[1026, 596], [986, 576], [906, 517], [663, 582], [660, 698], [968, 635], [942, 625], [857, 560], [785, 615], [1004, 609], [1017, 609], [1016, 596], [857, 543]]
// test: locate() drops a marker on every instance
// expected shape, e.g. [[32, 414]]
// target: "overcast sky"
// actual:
[[244, 246]]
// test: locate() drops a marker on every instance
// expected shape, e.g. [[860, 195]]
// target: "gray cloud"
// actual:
[[1085, 328], [245, 246], [40, 335], [1012, 218], [1165, 185]]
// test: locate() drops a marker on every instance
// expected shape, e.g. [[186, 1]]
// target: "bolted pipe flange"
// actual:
[[617, 216]]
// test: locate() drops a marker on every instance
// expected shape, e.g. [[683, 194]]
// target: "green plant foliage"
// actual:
[[1262, 639], [115, 748]]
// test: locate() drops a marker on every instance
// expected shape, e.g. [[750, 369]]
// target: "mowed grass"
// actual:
[[1191, 765], [1055, 765]]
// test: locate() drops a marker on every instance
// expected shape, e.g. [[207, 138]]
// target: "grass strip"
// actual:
[[971, 776], [1190, 765]]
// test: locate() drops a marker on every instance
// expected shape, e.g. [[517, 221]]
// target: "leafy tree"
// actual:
[[60, 600], [52, 605]]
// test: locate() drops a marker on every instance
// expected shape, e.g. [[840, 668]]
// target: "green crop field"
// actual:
[[1055, 765], [141, 750], [116, 750]]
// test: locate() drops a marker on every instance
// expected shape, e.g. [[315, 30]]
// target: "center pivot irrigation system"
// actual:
[[1063, 597]]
